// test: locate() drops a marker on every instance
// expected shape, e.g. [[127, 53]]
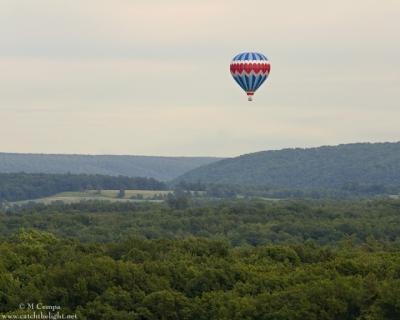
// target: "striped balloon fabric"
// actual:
[[250, 70]]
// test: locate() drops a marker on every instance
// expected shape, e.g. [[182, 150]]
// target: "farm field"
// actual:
[[102, 195], [128, 193]]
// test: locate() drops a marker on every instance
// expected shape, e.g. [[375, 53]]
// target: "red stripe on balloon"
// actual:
[[249, 67]]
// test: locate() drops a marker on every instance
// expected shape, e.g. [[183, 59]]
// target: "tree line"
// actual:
[[22, 186]]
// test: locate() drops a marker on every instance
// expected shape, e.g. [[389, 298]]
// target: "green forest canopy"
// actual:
[[204, 260], [251, 222], [199, 279]]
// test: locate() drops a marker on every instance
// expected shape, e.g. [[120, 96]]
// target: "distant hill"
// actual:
[[161, 168], [343, 166]]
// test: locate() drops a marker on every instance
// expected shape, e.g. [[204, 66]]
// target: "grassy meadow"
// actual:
[[101, 195]]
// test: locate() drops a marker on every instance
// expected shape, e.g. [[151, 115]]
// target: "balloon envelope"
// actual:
[[250, 70]]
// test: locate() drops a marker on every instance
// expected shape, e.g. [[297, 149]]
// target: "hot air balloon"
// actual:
[[250, 70]]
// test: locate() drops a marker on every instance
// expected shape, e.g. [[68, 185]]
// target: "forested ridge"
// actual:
[[160, 168], [372, 167], [22, 186]]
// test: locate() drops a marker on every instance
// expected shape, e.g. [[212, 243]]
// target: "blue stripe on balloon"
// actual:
[[237, 81], [250, 82], [253, 85], [257, 84], [247, 82], [241, 83], [263, 79], [250, 56], [255, 78]]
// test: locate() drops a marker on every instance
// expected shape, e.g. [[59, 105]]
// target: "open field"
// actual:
[[102, 195], [128, 193]]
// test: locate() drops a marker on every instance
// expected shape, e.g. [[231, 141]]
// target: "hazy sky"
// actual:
[[152, 77]]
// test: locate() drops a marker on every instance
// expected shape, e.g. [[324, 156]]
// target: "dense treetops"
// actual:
[[204, 260], [161, 168], [21, 186], [199, 279], [371, 167], [240, 222]]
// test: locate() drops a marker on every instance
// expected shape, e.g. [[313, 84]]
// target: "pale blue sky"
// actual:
[[152, 77]]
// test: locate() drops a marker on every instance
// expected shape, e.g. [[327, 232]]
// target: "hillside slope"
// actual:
[[161, 168], [323, 167]]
